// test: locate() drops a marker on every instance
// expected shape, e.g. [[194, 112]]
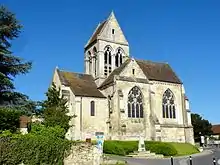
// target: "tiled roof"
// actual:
[[158, 71], [152, 70], [117, 71], [216, 129], [96, 33], [80, 84]]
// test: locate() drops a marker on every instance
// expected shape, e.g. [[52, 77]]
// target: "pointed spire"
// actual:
[[112, 15]]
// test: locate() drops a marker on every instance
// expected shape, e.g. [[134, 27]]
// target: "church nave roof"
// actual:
[[80, 84]]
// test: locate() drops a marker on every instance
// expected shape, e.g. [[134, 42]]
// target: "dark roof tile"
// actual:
[[216, 129], [117, 71], [158, 71], [96, 33], [80, 84], [152, 70]]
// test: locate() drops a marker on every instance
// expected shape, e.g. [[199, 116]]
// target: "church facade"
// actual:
[[123, 97]]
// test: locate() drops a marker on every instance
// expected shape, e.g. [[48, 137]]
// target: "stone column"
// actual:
[[86, 65], [101, 63], [113, 62], [93, 66]]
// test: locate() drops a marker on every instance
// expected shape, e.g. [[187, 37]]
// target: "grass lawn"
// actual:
[[184, 149]]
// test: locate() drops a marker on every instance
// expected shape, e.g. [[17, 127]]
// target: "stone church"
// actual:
[[123, 97]]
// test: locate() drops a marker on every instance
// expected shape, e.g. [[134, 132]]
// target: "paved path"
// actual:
[[204, 158]]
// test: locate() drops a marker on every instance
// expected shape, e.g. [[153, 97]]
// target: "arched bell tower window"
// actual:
[[107, 60], [118, 57], [168, 106], [135, 103], [95, 60]]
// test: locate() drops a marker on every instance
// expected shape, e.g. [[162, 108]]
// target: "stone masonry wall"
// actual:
[[83, 154]]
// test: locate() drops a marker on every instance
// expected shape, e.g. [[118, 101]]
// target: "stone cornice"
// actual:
[[174, 126], [114, 42], [166, 83], [130, 79]]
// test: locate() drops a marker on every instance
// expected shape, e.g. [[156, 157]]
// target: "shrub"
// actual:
[[161, 148], [43, 145], [8, 155], [166, 148], [112, 147], [9, 119], [38, 149], [53, 132], [126, 147], [120, 147]]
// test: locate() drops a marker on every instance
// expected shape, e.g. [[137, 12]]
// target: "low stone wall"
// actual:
[[83, 154]]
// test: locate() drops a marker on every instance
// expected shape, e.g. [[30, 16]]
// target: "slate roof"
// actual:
[[80, 84], [216, 129], [152, 70], [96, 33]]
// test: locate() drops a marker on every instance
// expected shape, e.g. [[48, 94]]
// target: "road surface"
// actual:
[[204, 158]]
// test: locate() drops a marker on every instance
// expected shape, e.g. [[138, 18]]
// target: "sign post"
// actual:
[[100, 141]]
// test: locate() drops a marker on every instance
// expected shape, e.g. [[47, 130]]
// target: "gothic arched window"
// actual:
[[168, 106], [92, 108], [107, 60], [118, 57], [135, 103]]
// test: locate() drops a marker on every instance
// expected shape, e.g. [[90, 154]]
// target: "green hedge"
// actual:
[[161, 148], [167, 149], [43, 145], [120, 147], [9, 119]]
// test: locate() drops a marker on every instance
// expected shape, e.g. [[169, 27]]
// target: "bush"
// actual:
[[120, 147], [8, 155], [43, 145], [42, 130], [166, 148], [42, 150], [9, 119], [161, 148], [125, 147], [111, 147]]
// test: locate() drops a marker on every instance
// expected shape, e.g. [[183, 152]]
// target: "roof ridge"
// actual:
[[156, 62], [73, 72], [96, 32]]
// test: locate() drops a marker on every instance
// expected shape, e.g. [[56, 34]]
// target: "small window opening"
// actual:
[[133, 71], [113, 31]]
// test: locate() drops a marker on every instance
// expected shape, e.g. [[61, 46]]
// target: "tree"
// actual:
[[55, 109], [10, 65], [9, 119], [201, 126]]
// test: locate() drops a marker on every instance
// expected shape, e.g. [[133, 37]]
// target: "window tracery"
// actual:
[[118, 57], [135, 103], [107, 61], [168, 106]]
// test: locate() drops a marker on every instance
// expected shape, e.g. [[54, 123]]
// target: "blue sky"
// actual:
[[184, 33]]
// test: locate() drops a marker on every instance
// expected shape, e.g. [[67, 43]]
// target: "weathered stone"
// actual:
[[111, 113], [83, 154]]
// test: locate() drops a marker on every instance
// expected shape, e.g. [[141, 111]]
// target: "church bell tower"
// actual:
[[106, 49]]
